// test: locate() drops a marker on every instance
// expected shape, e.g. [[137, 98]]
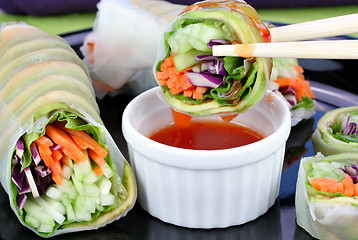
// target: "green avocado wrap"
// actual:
[[337, 131], [327, 196], [194, 81], [59, 165]]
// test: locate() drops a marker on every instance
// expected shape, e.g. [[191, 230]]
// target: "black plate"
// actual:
[[278, 223]]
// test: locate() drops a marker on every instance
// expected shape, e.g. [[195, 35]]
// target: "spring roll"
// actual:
[[60, 167], [288, 81], [194, 81], [121, 49], [327, 196], [337, 131]]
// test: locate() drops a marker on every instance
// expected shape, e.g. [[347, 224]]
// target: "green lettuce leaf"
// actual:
[[306, 103], [336, 132]]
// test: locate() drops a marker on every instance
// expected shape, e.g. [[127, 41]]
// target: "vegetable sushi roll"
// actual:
[[327, 196], [287, 80], [194, 81], [337, 131], [59, 165]]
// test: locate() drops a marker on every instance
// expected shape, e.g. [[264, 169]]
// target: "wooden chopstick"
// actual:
[[327, 49], [327, 27]]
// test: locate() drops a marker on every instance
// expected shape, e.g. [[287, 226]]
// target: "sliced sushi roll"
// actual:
[[327, 196], [337, 131]]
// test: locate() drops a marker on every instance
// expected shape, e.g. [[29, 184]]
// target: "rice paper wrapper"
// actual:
[[121, 49], [41, 76], [329, 139], [243, 21], [287, 68], [328, 219]]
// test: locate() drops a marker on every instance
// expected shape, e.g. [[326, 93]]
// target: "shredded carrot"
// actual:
[[69, 154], [73, 143], [346, 186], [44, 141], [87, 138], [98, 171], [177, 82], [64, 160], [96, 158], [91, 51], [56, 167], [48, 160], [82, 143], [91, 45], [356, 189], [300, 85], [46, 154], [51, 158], [57, 178], [44, 151], [56, 154], [69, 147], [198, 92], [188, 92]]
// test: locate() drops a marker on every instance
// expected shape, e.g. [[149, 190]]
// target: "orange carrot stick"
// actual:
[[86, 137], [82, 143], [56, 154], [56, 167], [98, 171], [96, 158], [44, 141], [57, 178], [300, 85], [64, 160], [48, 160], [44, 151], [69, 154], [69, 147]]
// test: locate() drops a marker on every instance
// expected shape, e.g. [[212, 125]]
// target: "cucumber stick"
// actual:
[[80, 195], [187, 59], [194, 36], [192, 40]]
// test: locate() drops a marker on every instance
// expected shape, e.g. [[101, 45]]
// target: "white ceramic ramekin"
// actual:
[[206, 188]]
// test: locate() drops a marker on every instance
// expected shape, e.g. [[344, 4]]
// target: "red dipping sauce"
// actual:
[[206, 135]]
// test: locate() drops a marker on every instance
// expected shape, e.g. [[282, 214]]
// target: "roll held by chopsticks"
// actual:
[[59, 165], [197, 83]]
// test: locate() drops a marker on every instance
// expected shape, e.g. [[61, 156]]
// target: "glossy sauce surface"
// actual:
[[206, 135]]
